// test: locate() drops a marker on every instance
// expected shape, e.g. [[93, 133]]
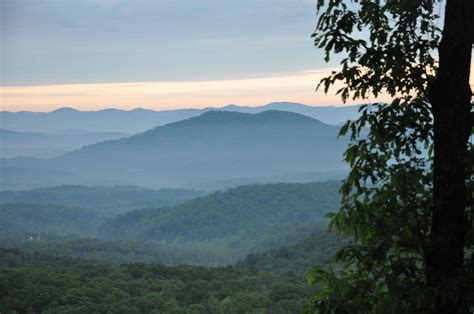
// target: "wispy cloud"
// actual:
[[97, 41]]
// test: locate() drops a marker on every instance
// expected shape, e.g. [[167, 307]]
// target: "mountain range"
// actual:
[[66, 120], [214, 146]]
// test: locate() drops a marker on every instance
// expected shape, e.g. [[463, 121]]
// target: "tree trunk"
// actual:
[[450, 96]]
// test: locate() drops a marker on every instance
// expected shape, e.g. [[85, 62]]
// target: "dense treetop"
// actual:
[[46, 284], [298, 257]]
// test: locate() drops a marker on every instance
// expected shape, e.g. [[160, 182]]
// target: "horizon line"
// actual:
[[171, 95], [186, 108]]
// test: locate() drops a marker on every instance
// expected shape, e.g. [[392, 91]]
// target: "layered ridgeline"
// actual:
[[138, 120], [214, 146], [75, 210], [233, 223], [216, 229], [46, 145]]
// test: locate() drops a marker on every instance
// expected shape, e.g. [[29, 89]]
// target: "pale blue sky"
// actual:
[[106, 41]]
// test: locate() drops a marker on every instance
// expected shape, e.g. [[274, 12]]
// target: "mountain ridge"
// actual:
[[140, 119], [190, 151], [213, 118], [243, 212], [224, 107]]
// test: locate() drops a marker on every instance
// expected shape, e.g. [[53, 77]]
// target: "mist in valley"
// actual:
[[165, 157], [223, 187]]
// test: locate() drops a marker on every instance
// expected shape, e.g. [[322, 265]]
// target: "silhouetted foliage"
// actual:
[[404, 200]]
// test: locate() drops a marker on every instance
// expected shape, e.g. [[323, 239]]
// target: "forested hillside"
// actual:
[[247, 217], [211, 147], [52, 267], [319, 247], [216, 229], [297, 257]]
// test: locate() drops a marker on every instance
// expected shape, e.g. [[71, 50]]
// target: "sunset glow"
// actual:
[[170, 95]]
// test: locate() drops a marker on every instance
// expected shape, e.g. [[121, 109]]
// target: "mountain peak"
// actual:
[[214, 117], [64, 110], [233, 107], [285, 116], [285, 104]]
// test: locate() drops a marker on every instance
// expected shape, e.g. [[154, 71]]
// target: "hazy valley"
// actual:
[[150, 163], [241, 186], [216, 146]]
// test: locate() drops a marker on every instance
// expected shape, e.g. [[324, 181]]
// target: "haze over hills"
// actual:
[[214, 146], [109, 201], [106, 120], [300, 177], [139, 120], [178, 226], [42, 145]]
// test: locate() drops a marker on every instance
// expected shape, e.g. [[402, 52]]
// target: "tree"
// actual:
[[404, 201]]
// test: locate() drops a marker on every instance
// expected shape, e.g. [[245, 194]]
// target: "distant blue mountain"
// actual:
[[327, 114], [214, 146], [138, 120]]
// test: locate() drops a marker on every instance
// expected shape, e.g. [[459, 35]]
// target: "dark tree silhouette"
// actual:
[[407, 214]]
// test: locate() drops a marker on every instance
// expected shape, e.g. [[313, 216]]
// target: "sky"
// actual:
[[161, 54]]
